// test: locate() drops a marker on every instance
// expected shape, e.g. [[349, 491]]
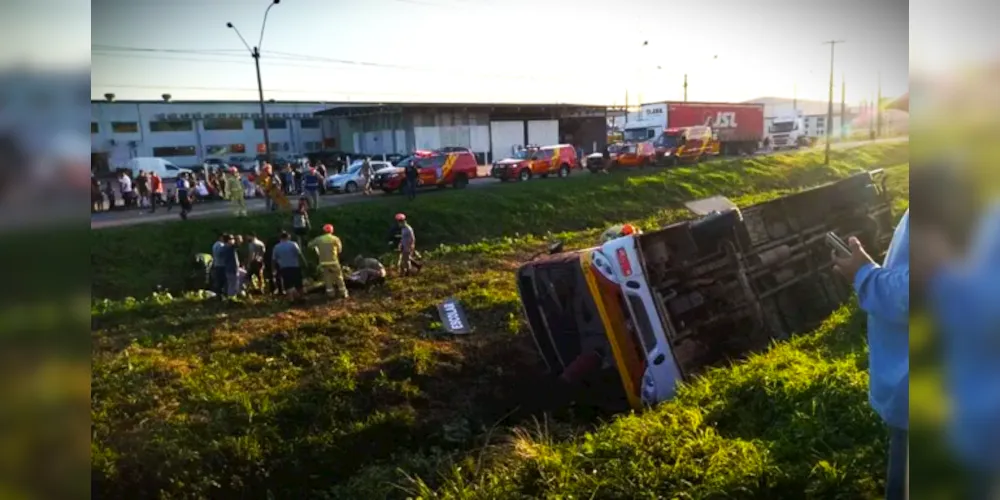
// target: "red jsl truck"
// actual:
[[739, 127]]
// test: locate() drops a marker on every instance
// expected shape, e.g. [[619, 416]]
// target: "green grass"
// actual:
[[134, 260], [193, 398]]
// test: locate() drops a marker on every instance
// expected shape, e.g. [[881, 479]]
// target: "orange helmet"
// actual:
[[328, 228], [628, 229], [400, 217]]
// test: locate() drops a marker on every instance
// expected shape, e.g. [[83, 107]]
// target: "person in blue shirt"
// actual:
[[963, 293], [310, 184], [884, 294]]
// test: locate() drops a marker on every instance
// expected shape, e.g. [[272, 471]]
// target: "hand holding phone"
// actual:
[[838, 244]]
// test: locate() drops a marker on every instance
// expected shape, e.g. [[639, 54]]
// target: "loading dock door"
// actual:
[[543, 132], [503, 137]]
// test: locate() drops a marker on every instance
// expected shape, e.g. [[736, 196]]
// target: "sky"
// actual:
[[586, 51]]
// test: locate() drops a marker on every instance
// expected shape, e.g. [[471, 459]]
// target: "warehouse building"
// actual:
[[187, 132], [490, 130]]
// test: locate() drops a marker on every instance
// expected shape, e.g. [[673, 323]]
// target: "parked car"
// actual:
[[244, 163], [350, 181], [212, 164], [529, 162]]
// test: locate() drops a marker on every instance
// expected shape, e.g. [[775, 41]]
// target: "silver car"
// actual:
[[350, 181]]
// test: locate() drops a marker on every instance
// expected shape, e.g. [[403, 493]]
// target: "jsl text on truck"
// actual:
[[739, 127]]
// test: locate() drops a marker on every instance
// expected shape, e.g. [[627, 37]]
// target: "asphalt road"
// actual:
[[217, 209]]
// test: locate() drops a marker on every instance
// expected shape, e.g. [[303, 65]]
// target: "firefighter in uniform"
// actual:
[[234, 191], [328, 247]]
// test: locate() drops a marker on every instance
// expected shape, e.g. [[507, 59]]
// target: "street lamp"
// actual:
[[255, 53]]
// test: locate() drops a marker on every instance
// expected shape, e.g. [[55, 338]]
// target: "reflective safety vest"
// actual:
[[328, 247]]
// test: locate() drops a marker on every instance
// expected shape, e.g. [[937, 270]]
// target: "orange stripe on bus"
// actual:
[[622, 346]]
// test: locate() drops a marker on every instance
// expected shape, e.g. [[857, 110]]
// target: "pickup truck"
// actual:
[[530, 162], [654, 309], [457, 166]]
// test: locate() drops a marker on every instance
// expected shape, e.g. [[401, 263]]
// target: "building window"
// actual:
[[279, 146], [271, 124], [224, 124], [225, 149], [312, 145], [171, 126], [310, 123], [174, 151], [94, 128], [124, 127]]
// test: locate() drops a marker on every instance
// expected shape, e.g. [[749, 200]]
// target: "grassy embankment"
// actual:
[[194, 398], [134, 260]]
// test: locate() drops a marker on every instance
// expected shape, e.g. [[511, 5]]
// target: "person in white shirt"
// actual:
[[125, 185], [201, 189]]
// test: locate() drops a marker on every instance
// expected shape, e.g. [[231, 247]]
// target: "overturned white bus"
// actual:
[[661, 306]]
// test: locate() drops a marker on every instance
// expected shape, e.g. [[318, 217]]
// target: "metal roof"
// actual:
[[172, 101], [356, 108]]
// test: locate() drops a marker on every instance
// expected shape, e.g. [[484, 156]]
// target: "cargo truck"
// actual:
[[655, 309], [739, 127], [788, 131]]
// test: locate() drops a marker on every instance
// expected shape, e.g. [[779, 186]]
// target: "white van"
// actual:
[[163, 168]]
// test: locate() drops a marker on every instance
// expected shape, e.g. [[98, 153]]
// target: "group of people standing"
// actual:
[[146, 191], [238, 264]]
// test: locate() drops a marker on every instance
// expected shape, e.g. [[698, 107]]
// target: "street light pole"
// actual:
[[263, 112], [829, 108], [255, 54]]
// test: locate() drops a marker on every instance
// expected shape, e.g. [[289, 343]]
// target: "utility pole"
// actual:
[[255, 54], [626, 106], [829, 107], [685, 87], [878, 108], [871, 120], [843, 106], [263, 112], [795, 97]]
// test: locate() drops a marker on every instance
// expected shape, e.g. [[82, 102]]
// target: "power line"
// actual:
[[237, 89], [154, 53], [115, 48]]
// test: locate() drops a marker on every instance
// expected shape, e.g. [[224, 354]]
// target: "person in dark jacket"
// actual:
[[412, 176], [321, 171], [231, 264]]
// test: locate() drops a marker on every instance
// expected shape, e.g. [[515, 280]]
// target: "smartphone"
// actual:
[[837, 244]]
